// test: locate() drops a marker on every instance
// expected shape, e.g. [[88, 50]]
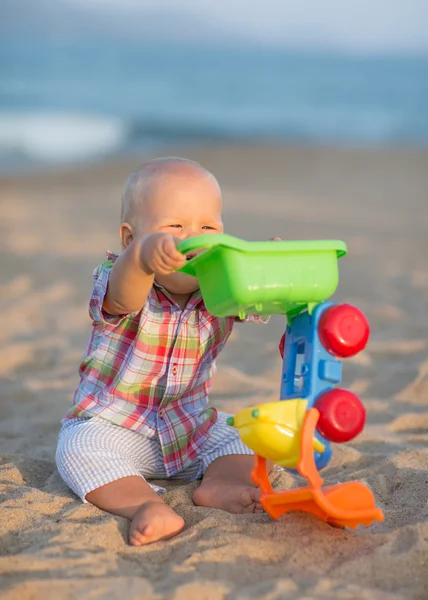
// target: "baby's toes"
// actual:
[[136, 538], [250, 499], [139, 536], [256, 499]]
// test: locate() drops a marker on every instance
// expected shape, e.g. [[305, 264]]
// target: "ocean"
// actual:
[[73, 101]]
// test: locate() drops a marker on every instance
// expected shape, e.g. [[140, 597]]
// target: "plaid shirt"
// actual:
[[152, 371]]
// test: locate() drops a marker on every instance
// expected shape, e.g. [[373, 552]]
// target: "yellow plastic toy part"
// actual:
[[273, 429]]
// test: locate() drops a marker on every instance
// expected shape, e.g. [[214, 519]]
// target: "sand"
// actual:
[[54, 230]]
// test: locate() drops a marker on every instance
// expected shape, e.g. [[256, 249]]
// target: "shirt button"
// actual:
[[174, 370], [161, 413]]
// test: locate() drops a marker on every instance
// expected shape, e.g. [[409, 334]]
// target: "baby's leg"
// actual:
[[97, 461], [227, 482]]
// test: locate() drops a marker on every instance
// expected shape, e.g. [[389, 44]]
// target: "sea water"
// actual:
[[80, 100]]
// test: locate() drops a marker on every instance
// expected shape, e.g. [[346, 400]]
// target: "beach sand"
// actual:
[[53, 232]]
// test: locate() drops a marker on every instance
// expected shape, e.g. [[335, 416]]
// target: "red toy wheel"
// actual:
[[343, 330], [282, 345], [342, 415]]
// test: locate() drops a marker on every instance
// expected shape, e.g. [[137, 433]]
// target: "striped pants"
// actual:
[[93, 452]]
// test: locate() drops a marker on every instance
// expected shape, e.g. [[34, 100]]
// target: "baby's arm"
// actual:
[[134, 270]]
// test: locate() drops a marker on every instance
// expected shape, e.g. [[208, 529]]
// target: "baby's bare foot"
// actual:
[[152, 522], [227, 495]]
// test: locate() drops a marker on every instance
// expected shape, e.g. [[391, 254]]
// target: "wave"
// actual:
[[54, 138], [65, 138], [49, 138], [59, 137]]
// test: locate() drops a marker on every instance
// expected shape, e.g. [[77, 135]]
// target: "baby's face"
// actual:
[[185, 204]]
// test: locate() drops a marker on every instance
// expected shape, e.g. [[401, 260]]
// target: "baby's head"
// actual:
[[171, 195]]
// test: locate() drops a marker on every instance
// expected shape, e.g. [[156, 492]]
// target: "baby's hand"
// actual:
[[159, 254]]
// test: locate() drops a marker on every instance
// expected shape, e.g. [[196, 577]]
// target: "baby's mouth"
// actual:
[[191, 255]]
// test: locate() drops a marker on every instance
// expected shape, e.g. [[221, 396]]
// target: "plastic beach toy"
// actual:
[[294, 278], [237, 278]]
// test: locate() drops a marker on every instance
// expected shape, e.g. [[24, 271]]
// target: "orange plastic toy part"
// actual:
[[346, 505]]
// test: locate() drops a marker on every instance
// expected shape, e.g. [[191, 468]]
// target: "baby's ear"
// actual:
[[126, 235]]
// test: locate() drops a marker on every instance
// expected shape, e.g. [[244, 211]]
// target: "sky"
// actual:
[[362, 25]]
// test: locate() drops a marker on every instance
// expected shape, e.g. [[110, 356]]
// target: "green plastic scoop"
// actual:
[[238, 278]]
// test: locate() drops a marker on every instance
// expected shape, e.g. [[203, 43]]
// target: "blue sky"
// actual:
[[362, 25]]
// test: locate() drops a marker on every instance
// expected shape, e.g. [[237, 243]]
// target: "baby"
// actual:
[[140, 411]]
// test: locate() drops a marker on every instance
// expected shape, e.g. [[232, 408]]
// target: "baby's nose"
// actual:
[[192, 233]]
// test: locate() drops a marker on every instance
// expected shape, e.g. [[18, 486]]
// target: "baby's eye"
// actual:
[[207, 227], [176, 226]]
